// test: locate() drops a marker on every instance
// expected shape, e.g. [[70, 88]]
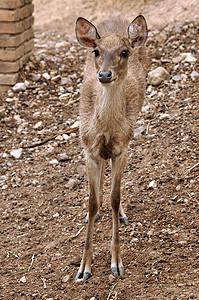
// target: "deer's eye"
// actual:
[[124, 53], [96, 52]]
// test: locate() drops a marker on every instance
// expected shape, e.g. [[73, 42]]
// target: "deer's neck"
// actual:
[[111, 103]]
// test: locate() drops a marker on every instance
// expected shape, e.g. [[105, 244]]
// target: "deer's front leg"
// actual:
[[93, 169], [118, 165]]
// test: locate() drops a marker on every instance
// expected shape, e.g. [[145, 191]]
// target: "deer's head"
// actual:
[[111, 52]]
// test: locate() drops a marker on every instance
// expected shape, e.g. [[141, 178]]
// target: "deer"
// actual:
[[112, 94]]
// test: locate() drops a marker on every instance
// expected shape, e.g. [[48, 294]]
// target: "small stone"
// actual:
[[148, 108], [189, 58], [63, 157], [93, 298], [186, 201], [64, 96], [16, 153], [194, 75], [152, 184], [56, 78], [9, 164], [156, 76], [54, 162], [20, 86], [46, 76], [66, 278], [75, 125], [178, 187], [71, 184], [23, 279], [176, 78], [164, 116], [38, 125], [36, 77], [138, 132], [56, 215], [4, 187], [178, 59], [81, 169], [66, 136], [66, 81]]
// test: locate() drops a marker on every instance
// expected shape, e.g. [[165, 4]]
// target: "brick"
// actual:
[[11, 4], [28, 46], [16, 27], [7, 40], [16, 15], [12, 54], [9, 67], [28, 22], [12, 28], [8, 79], [23, 60]]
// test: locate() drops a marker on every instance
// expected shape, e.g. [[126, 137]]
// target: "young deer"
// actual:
[[112, 95]]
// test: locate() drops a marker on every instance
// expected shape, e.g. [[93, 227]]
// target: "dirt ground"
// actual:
[[44, 192]]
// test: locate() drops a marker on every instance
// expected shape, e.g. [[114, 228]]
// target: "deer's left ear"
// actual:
[[137, 32], [86, 33]]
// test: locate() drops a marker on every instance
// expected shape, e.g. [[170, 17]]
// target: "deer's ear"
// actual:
[[137, 32], [86, 33]]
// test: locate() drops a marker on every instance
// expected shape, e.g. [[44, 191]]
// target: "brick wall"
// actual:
[[16, 39]]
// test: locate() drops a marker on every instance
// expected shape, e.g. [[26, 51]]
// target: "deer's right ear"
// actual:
[[86, 33]]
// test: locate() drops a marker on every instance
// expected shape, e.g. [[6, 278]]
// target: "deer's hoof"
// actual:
[[117, 271], [97, 216], [123, 219], [86, 276], [114, 271], [82, 276]]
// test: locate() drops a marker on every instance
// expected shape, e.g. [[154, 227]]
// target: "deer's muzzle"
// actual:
[[105, 76]]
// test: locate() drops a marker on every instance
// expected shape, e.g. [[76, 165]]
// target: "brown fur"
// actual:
[[107, 118]]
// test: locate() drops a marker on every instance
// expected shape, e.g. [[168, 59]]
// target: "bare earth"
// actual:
[[44, 194]]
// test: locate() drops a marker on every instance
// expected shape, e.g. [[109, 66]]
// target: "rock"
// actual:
[[176, 78], [56, 215], [75, 125], [56, 78], [148, 108], [81, 169], [152, 184], [178, 59], [46, 76], [164, 116], [188, 57], [16, 153], [39, 125], [138, 132], [66, 136], [71, 184], [36, 77], [23, 279], [18, 87], [63, 157], [54, 162], [64, 96], [9, 164], [156, 76], [66, 278], [194, 75], [66, 81]]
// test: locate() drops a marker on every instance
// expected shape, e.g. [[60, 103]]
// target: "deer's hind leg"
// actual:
[[94, 168]]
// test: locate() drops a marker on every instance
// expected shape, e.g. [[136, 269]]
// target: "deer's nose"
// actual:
[[105, 76]]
